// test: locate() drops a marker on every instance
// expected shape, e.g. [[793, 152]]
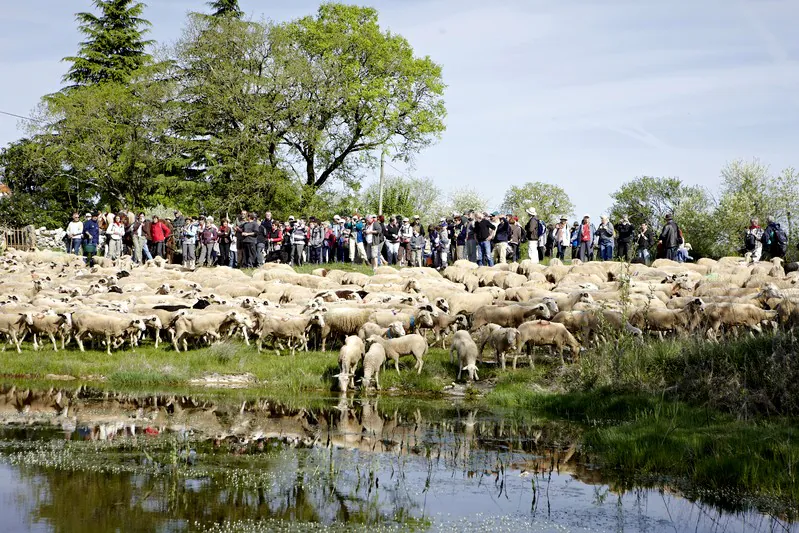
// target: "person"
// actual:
[[359, 225], [139, 234], [189, 242], [443, 246], [753, 240], [682, 255], [299, 240], [316, 241], [775, 241], [242, 219], [483, 230], [471, 237], [208, 235], [275, 242], [75, 235], [585, 237], [343, 244], [670, 238], [434, 241], [574, 237], [160, 233], [605, 235], [224, 234], [329, 244], [392, 241], [516, 237], [115, 232], [178, 221], [417, 248], [91, 236], [643, 242], [372, 234], [625, 231], [249, 238], [501, 237], [562, 237], [533, 230], [549, 240], [261, 240], [405, 236], [234, 254]]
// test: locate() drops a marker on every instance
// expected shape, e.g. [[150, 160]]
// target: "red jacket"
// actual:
[[160, 231]]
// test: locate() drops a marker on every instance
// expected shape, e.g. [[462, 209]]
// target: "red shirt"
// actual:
[[160, 231]]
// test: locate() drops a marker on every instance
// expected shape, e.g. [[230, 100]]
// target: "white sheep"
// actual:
[[372, 362], [464, 346], [409, 344], [350, 354]]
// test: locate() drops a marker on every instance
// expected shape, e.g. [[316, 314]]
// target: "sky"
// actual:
[[586, 94]]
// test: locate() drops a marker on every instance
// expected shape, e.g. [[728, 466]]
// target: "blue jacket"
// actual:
[[91, 227]]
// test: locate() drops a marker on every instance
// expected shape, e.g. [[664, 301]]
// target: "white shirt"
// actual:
[[75, 229]]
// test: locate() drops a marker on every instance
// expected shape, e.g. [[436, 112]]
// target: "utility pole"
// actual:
[[382, 179]]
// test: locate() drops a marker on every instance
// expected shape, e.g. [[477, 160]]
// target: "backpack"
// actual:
[[542, 229], [750, 241], [780, 240]]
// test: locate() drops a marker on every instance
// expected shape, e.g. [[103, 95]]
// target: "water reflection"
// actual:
[[81, 460]]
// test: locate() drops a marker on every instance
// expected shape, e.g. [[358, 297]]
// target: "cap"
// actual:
[[336, 218], [531, 211], [443, 219], [668, 216], [495, 213], [586, 215], [88, 214], [406, 219], [291, 217], [416, 216], [564, 217]]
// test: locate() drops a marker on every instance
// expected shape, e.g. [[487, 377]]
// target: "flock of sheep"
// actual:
[[393, 313]]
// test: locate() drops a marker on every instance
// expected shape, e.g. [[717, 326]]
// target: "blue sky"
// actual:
[[585, 94]]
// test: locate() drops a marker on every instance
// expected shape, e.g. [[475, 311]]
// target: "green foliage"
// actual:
[[226, 8], [465, 199], [404, 196], [550, 201], [352, 88], [114, 48], [648, 199]]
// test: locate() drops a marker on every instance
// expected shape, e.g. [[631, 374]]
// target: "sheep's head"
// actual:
[[138, 324], [317, 319], [442, 304], [586, 297], [461, 322], [512, 337], [425, 320], [552, 305], [396, 329]]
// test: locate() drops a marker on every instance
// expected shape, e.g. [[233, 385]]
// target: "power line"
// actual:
[[20, 116]]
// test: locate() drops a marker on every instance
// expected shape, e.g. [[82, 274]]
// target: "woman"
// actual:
[[562, 237], [189, 242], [115, 233], [434, 241], [225, 233], [392, 241]]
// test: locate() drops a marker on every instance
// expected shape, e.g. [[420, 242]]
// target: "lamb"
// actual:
[[108, 325], [504, 340], [289, 328], [372, 362], [395, 329], [14, 327], [511, 316], [50, 325], [464, 346], [202, 324], [543, 333], [348, 357], [409, 344]]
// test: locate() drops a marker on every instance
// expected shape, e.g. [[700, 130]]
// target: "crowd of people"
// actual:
[[483, 238]]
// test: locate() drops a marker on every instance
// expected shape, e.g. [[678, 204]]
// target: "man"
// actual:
[[501, 236], [178, 221], [562, 237], [160, 233], [249, 239], [299, 238], [585, 237], [189, 242], [516, 236], [91, 236], [670, 238], [471, 238], [242, 219], [75, 234], [405, 237], [775, 241], [372, 236], [643, 242], [392, 241], [316, 241], [605, 235], [139, 231], [625, 231], [533, 230], [483, 230]]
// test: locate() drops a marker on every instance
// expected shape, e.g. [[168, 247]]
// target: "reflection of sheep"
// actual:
[[348, 357], [372, 361], [464, 346], [393, 330], [409, 344]]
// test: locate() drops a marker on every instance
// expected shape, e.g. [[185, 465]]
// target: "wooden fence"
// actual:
[[20, 238]]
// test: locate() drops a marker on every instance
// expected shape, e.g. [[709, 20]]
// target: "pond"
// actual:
[[85, 460]]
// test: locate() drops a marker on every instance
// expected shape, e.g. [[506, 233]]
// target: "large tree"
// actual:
[[114, 48], [226, 8], [550, 201], [404, 196], [353, 88]]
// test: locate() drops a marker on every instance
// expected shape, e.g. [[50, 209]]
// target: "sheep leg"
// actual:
[[79, 338], [108, 343], [176, 342], [157, 338], [35, 344], [396, 362], [451, 351], [246, 337], [459, 371], [377, 378], [17, 341], [52, 339], [420, 364]]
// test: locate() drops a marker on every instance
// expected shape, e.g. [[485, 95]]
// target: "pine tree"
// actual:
[[114, 47], [226, 8]]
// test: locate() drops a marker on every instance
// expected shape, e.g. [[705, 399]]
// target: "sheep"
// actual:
[[344, 321], [503, 340], [204, 324], [544, 333], [510, 316], [50, 325], [412, 321], [372, 362], [14, 327], [589, 323], [735, 315], [468, 303], [289, 328], [681, 321], [108, 325], [445, 323], [350, 354], [464, 346], [409, 344], [395, 329]]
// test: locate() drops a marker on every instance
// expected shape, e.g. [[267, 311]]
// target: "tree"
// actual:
[[466, 199], [226, 8], [648, 199], [550, 201], [352, 89], [114, 48], [404, 196]]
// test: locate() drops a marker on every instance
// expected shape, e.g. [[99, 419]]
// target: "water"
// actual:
[[91, 461]]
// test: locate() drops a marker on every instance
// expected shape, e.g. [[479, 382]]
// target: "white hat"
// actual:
[[531, 211], [336, 217], [586, 215], [564, 217]]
